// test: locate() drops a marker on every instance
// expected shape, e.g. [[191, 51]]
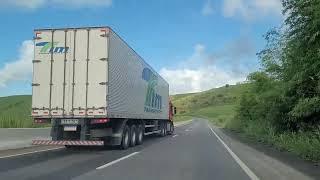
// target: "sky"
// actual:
[[196, 45]]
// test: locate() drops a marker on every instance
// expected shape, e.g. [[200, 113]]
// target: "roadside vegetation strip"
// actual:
[[118, 160], [245, 168]]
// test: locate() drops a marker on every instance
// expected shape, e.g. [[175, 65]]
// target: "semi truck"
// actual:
[[95, 90]]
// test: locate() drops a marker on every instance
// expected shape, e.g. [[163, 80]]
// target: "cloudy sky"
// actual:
[[195, 45]]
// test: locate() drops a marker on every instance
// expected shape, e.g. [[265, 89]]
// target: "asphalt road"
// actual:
[[194, 152]]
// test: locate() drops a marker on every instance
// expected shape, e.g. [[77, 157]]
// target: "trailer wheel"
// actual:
[[171, 129], [140, 135], [125, 138], [162, 132], [165, 129], [133, 135]]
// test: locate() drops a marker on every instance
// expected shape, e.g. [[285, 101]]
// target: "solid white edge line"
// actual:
[[118, 160], [236, 158], [14, 155]]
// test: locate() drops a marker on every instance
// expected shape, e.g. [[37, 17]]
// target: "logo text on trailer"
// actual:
[[49, 47], [153, 101]]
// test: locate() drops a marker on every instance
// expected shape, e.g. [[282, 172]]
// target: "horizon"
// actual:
[[237, 84]]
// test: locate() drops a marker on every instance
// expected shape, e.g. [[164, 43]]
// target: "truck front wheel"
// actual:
[[125, 137]]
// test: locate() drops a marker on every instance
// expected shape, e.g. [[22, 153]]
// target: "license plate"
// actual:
[[69, 121], [70, 128]]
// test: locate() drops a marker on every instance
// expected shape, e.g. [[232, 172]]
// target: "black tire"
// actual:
[[125, 138], [165, 129], [133, 135], [140, 135], [171, 129], [162, 132]]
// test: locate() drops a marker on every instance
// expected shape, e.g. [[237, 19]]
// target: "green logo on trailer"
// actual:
[[49, 47], [153, 101]]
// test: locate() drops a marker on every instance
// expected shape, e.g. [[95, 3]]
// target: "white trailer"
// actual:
[[95, 89]]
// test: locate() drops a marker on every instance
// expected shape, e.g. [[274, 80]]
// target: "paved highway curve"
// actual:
[[194, 152]]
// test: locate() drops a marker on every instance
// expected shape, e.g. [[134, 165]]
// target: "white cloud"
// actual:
[[34, 4], [251, 9], [30, 4], [194, 74], [207, 8], [200, 79], [20, 69]]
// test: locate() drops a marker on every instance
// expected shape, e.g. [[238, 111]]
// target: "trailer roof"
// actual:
[[71, 28]]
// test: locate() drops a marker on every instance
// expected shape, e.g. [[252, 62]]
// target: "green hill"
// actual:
[[15, 111], [217, 104]]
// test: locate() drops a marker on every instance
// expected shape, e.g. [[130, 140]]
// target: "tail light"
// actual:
[[100, 121]]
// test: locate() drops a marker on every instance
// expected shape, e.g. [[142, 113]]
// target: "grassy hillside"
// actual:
[[218, 105], [15, 111]]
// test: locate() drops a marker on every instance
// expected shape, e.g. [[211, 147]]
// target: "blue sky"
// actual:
[[196, 45]]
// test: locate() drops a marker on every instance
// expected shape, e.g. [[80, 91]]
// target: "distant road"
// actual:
[[195, 151]]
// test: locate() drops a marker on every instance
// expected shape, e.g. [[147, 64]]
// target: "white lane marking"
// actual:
[[118, 160], [236, 158], [31, 152], [188, 130], [175, 135]]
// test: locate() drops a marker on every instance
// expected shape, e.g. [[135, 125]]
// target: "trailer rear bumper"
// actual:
[[70, 143]]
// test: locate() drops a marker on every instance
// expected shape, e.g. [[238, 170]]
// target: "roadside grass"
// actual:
[[303, 144], [15, 112], [218, 115]]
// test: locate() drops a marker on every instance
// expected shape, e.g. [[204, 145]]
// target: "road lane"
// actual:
[[192, 154], [66, 163]]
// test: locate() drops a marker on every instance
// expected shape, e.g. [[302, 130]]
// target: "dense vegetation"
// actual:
[[283, 104]]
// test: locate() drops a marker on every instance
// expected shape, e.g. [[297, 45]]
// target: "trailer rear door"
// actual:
[[70, 72]]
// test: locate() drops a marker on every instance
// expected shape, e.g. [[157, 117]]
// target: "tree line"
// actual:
[[285, 93]]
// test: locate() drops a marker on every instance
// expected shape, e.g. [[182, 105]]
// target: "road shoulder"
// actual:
[[267, 162]]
